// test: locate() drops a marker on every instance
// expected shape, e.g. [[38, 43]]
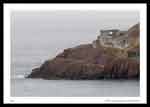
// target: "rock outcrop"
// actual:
[[86, 62]]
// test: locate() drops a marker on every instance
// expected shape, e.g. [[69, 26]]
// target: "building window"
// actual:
[[124, 41]]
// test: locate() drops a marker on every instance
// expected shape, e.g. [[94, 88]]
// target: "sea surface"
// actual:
[[74, 88]]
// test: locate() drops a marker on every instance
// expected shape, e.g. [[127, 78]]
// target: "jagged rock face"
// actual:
[[134, 35], [86, 62], [92, 65], [123, 68], [134, 31], [61, 68], [83, 62]]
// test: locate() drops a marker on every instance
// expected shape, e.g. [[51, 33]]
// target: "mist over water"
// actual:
[[38, 36]]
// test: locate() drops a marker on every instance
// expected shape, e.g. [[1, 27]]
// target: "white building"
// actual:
[[113, 38]]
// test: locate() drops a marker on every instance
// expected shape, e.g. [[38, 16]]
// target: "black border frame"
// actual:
[[64, 1]]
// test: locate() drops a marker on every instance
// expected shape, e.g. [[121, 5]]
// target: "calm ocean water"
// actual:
[[74, 88], [28, 53]]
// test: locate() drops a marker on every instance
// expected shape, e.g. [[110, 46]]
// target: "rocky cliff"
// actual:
[[86, 62]]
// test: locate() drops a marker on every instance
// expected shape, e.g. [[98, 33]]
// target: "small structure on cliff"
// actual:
[[112, 38]]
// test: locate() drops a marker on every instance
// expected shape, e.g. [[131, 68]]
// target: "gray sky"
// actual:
[[75, 20], [66, 26]]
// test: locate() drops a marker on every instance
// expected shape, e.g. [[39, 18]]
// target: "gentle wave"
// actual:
[[19, 76]]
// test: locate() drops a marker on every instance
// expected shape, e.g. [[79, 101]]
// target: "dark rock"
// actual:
[[123, 68], [88, 63]]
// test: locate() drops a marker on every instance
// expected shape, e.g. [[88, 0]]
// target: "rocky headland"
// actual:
[[89, 63]]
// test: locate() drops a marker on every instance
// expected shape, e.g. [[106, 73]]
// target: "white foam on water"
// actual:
[[20, 76]]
